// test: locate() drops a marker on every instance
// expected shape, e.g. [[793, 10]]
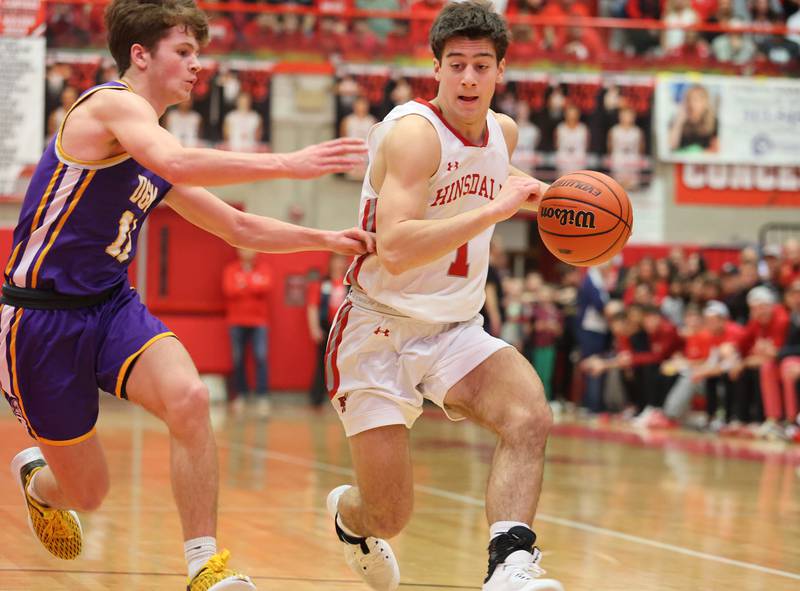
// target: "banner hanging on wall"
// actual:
[[727, 120], [739, 185]]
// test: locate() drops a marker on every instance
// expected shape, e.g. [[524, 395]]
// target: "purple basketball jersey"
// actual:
[[80, 220]]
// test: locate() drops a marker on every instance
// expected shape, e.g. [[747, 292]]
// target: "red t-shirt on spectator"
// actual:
[[698, 345], [732, 333], [664, 342], [774, 330], [335, 299], [247, 294]]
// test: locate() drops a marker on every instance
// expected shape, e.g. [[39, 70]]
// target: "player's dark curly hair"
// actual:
[[147, 22], [473, 19]]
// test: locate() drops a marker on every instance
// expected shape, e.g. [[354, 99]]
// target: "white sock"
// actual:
[[32, 490], [501, 527], [197, 552], [346, 529]]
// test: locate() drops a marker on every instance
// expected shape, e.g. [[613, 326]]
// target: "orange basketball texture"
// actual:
[[585, 218]]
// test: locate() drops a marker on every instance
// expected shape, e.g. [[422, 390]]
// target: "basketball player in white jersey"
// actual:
[[438, 181]]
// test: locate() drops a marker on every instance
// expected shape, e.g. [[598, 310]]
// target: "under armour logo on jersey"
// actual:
[[452, 166], [383, 331]]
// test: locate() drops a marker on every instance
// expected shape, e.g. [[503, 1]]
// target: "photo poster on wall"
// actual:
[[229, 106], [566, 122], [728, 120]]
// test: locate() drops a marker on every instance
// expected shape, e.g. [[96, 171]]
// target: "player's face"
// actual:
[[175, 65], [467, 76]]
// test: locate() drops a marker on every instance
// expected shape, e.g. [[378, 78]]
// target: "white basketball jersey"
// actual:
[[626, 141], [449, 289]]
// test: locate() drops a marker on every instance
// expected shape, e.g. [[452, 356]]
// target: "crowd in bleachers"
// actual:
[[668, 342], [326, 27]]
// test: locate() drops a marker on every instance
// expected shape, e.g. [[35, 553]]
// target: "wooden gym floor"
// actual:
[[621, 510]]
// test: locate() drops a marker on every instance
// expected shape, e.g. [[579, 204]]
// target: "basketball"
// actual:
[[585, 218]]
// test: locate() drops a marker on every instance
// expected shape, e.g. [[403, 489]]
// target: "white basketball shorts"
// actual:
[[380, 365]]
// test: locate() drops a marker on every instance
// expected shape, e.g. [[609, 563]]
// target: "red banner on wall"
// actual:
[[737, 185]]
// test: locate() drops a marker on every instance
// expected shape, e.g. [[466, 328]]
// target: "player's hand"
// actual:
[[516, 191], [339, 155], [353, 241]]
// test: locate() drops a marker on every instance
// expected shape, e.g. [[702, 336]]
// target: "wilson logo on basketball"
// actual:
[[569, 217]]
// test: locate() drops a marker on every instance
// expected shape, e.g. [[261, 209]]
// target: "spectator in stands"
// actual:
[[642, 41], [246, 285], [418, 34], [748, 279], [723, 15], [764, 335], [789, 358], [571, 141], [769, 267], [547, 327], [515, 323], [625, 149], [382, 27], [401, 93], [524, 156], [790, 265], [493, 311], [242, 127], [677, 13], [673, 305], [357, 124], [324, 299], [687, 365], [694, 129], [69, 95], [185, 124], [733, 47], [661, 341], [723, 356], [592, 328]]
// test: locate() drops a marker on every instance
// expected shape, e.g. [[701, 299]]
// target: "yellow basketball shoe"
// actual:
[[216, 576], [58, 530]]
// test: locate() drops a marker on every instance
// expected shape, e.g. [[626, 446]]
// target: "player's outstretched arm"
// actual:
[[134, 123], [411, 152], [244, 230], [511, 135]]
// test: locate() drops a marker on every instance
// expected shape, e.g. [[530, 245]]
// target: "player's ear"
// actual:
[[139, 54], [501, 70], [437, 68]]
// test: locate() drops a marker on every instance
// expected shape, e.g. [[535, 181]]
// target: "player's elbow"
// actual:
[[175, 169], [391, 257], [235, 230]]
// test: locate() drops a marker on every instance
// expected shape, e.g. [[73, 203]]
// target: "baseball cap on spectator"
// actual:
[[771, 250], [760, 295], [716, 308], [729, 269]]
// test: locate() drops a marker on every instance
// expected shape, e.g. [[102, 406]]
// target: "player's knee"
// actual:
[[187, 405], [528, 421]]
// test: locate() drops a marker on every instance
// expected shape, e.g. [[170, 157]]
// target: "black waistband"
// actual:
[[44, 299]]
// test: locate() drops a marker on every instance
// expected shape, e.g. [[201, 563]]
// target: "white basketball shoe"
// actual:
[[514, 564], [370, 558]]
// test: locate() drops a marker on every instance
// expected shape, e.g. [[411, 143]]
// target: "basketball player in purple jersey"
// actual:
[[69, 321], [438, 180]]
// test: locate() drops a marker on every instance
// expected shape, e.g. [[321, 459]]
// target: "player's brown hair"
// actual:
[[146, 22], [473, 19]]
